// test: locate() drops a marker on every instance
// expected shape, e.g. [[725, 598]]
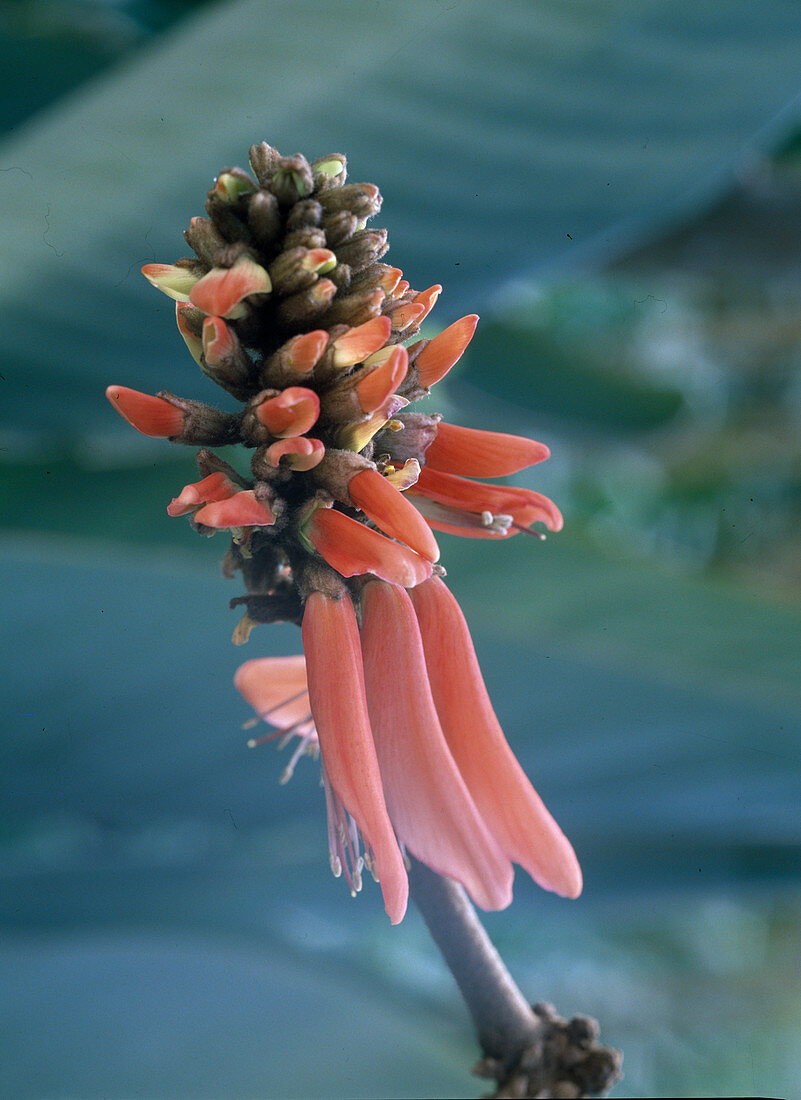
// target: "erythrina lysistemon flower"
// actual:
[[287, 306]]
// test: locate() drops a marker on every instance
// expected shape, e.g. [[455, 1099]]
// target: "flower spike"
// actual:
[[287, 306]]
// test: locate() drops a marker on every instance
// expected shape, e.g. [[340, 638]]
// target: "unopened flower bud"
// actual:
[[304, 215], [330, 171], [225, 361], [363, 249], [339, 227], [204, 239], [189, 330], [354, 308], [298, 268], [291, 179], [263, 160], [304, 307], [232, 184], [361, 199], [264, 218]]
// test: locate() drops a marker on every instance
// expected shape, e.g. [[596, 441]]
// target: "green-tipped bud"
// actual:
[[292, 179], [232, 184], [330, 171], [264, 161]]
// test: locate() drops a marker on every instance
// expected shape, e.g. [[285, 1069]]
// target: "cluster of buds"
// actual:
[[287, 307]]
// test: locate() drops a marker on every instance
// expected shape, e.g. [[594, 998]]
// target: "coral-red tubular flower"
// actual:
[[392, 512], [437, 357], [353, 549], [336, 691], [503, 794], [148, 414], [524, 505], [428, 801], [475, 453]]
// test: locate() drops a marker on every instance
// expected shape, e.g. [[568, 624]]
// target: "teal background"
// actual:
[[615, 189]]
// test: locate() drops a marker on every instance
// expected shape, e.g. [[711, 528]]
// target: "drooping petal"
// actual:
[[389, 510], [336, 690], [276, 688], [524, 505], [472, 525], [428, 801], [148, 414], [501, 790], [214, 487], [240, 510], [354, 549], [474, 453]]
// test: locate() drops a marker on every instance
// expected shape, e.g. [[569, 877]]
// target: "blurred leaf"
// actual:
[[575, 126]]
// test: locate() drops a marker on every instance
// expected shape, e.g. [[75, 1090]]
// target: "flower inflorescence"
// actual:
[[287, 306]]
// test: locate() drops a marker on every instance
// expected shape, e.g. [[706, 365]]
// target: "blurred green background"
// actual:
[[616, 189]]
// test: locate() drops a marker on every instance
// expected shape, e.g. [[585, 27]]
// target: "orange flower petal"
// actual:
[[193, 343], [292, 412], [428, 801], [221, 290], [389, 510], [336, 690], [474, 453], [305, 350], [214, 487], [500, 788], [524, 505], [354, 549], [354, 346], [149, 415], [385, 377], [240, 510], [437, 358], [301, 453]]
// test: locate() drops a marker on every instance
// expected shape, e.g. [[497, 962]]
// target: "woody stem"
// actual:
[[503, 1018]]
